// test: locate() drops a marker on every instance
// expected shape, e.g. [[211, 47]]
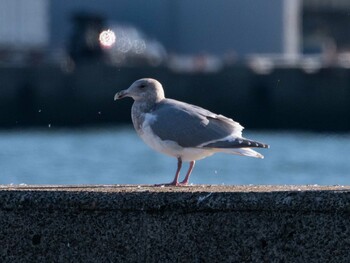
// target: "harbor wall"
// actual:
[[167, 224], [83, 95]]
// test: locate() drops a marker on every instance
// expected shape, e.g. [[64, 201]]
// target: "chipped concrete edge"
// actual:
[[193, 198]]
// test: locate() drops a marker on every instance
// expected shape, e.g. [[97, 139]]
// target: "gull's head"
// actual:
[[149, 90]]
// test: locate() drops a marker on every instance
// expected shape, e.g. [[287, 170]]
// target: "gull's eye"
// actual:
[[142, 86]]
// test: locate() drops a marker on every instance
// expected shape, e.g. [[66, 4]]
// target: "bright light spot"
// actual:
[[107, 38]]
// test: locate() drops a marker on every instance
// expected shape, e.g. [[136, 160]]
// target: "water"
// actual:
[[118, 156]]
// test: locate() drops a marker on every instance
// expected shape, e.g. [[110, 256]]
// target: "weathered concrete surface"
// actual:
[[166, 224]]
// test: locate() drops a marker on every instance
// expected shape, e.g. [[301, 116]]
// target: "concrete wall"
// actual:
[[164, 224]]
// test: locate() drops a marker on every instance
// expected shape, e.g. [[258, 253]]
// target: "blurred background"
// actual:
[[280, 68]]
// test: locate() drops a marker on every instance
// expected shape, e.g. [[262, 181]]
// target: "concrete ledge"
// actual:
[[183, 224]]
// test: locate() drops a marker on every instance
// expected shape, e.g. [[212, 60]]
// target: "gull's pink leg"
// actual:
[[176, 178], [185, 181]]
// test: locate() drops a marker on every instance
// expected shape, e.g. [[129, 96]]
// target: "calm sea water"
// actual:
[[117, 156]]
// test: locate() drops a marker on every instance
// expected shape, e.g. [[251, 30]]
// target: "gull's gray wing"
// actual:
[[191, 126]]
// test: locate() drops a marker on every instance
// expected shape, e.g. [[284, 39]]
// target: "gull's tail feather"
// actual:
[[242, 151]]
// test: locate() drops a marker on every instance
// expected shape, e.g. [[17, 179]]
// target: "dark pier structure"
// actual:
[[285, 98]]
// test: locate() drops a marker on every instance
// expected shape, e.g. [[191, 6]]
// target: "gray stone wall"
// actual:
[[165, 224]]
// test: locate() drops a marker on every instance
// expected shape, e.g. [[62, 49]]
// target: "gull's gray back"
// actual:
[[190, 125]]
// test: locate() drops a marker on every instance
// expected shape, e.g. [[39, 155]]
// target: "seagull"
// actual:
[[181, 130]]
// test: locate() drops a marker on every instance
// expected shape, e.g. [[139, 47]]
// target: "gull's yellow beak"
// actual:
[[121, 94]]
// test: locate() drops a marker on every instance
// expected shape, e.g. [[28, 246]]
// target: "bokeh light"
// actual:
[[107, 38]]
